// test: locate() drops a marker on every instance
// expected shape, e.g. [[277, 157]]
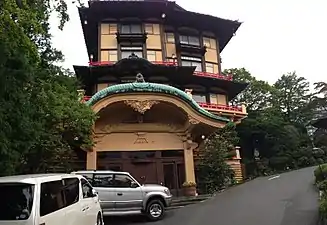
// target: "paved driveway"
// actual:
[[288, 199]]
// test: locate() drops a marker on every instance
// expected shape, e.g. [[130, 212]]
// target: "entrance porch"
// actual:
[[152, 136]]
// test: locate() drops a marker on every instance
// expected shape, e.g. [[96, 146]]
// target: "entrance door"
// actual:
[[174, 176]]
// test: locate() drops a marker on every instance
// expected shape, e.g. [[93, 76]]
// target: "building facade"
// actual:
[[155, 81]]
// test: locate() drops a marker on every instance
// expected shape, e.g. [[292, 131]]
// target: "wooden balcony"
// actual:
[[214, 75], [241, 110]]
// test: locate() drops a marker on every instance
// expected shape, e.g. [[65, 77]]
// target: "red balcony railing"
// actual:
[[214, 75], [166, 63], [101, 63], [86, 98], [105, 63], [220, 107]]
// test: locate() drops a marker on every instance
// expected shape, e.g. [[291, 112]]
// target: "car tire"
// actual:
[[155, 210], [99, 219]]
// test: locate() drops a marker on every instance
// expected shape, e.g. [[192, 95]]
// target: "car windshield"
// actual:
[[16, 201]]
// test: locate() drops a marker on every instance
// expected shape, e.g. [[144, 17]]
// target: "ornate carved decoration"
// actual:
[[141, 138], [189, 92], [192, 120], [141, 106], [139, 78]]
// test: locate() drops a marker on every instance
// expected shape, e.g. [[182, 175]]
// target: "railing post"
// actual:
[[243, 108]]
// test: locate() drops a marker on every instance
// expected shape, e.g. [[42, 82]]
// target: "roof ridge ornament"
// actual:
[[139, 78], [133, 56]]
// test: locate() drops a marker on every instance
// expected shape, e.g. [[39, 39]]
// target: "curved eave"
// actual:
[[153, 88], [100, 10]]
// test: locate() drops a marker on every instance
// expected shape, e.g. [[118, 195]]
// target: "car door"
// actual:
[[73, 206], [88, 202], [52, 208], [103, 184], [128, 195]]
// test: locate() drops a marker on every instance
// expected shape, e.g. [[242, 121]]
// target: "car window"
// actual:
[[52, 197], [71, 188], [16, 201], [88, 177], [86, 189], [103, 180], [122, 181]]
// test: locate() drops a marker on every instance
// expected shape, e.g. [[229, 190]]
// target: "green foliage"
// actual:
[[213, 171], [320, 173], [42, 122], [258, 94], [277, 123]]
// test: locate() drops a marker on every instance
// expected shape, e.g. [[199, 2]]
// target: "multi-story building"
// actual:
[[153, 127]]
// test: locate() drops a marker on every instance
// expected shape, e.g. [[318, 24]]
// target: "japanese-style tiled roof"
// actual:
[[145, 87]]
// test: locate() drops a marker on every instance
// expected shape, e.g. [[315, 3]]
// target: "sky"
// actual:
[[276, 37]]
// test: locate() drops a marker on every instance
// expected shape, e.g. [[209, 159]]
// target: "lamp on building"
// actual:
[[91, 57], [85, 22], [163, 15]]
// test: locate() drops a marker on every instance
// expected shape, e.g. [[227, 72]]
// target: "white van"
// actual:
[[48, 199]]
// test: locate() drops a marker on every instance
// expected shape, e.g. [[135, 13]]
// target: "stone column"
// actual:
[[189, 146], [91, 160]]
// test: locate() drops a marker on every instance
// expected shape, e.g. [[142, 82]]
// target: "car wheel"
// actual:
[[155, 210], [99, 219]]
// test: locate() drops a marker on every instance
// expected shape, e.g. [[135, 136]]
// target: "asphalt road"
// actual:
[[288, 199]]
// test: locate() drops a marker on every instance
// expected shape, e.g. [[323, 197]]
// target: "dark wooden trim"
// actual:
[[99, 44], [218, 56], [203, 56], [163, 42]]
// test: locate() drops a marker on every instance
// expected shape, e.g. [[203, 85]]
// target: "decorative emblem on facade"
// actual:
[[141, 139], [139, 78], [133, 56], [192, 120], [141, 106]]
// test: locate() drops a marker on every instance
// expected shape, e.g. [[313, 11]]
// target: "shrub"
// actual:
[[323, 207], [321, 173], [322, 186]]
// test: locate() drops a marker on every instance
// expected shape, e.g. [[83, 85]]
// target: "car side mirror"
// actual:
[[94, 193], [134, 185]]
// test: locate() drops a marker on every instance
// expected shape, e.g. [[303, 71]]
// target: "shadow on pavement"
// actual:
[[136, 219]]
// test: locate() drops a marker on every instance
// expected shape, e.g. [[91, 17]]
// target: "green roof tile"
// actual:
[[153, 88]]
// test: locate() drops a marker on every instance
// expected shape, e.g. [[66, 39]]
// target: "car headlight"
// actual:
[[167, 192]]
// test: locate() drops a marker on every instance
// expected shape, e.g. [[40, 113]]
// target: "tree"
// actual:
[[40, 115], [258, 94], [213, 170], [292, 97]]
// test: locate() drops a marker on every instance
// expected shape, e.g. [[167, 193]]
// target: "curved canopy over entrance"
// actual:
[[158, 92], [142, 117]]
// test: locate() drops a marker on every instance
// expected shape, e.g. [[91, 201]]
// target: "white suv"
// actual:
[[48, 199], [121, 194]]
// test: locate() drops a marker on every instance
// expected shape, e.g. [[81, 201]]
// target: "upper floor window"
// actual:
[[131, 29], [109, 55], [219, 99], [210, 67], [209, 42], [127, 51], [170, 38], [199, 98], [108, 28], [192, 61], [151, 55], [189, 40]]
